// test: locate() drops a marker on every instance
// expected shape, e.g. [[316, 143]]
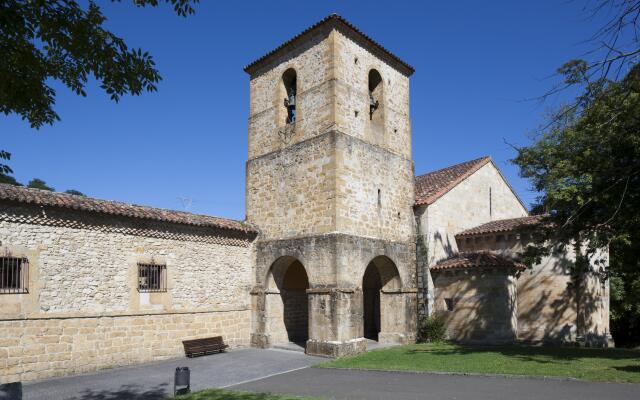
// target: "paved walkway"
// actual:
[[287, 372], [155, 380]]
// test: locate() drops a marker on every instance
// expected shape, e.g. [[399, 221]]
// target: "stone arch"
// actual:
[[380, 276], [287, 98], [286, 303]]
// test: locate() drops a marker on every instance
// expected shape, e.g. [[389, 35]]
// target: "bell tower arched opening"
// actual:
[[288, 92], [376, 106]]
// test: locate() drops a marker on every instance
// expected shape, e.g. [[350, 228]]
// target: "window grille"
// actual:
[[14, 275], [152, 278]]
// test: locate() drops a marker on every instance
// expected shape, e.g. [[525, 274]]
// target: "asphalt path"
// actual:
[[374, 385], [154, 381]]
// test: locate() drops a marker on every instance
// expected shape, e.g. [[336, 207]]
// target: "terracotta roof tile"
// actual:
[[503, 225], [331, 19], [477, 260], [431, 186], [74, 202]]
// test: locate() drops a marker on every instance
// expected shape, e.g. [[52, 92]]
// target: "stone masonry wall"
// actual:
[[353, 62], [463, 207], [483, 304], [551, 308], [296, 313], [83, 274], [374, 191], [290, 192], [307, 178], [42, 348], [312, 61]]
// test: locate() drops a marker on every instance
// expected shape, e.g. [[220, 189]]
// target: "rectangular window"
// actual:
[[152, 278], [14, 275], [449, 304]]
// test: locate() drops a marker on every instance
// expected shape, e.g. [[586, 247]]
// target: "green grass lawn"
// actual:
[[219, 394], [610, 365]]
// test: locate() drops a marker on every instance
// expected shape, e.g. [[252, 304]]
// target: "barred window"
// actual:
[[14, 275], [152, 278]]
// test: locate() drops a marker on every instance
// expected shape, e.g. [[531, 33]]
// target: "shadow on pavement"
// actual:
[[11, 391], [127, 392]]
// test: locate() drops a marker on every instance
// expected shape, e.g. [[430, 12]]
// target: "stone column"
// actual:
[[398, 316], [259, 337], [335, 322]]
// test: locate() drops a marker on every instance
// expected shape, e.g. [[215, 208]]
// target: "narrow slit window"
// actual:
[[152, 278], [14, 275]]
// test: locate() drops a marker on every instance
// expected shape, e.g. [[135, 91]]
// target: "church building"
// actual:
[[342, 246]]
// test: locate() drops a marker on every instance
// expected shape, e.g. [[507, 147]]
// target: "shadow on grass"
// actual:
[[629, 368], [538, 354]]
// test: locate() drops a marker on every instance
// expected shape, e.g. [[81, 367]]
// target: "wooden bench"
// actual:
[[201, 347]]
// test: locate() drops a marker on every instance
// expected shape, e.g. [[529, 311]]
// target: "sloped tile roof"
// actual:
[[503, 225], [477, 260], [433, 185], [74, 202], [331, 19]]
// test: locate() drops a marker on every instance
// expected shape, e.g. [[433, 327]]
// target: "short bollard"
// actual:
[[182, 381]]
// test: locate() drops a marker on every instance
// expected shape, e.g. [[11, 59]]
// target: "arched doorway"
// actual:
[[286, 303], [381, 273]]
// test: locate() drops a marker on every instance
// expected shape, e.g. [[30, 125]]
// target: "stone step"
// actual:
[[289, 346]]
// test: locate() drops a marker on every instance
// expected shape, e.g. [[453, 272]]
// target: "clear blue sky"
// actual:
[[475, 64]]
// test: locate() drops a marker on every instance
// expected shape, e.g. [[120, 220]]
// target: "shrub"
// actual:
[[433, 328]]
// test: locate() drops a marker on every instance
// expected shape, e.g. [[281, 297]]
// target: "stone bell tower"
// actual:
[[330, 187]]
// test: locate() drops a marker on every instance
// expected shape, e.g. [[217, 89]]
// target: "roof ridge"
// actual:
[[428, 192], [331, 17], [455, 165], [119, 202], [475, 259], [502, 225]]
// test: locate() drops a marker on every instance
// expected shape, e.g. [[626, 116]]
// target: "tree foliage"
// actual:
[[36, 183], [43, 41], [616, 47], [586, 164], [587, 167], [8, 179], [4, 168]]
